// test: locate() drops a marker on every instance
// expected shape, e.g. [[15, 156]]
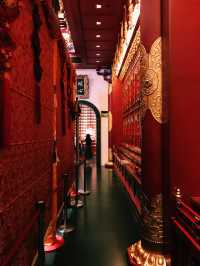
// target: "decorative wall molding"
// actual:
[[128, 26], [131, 54], [153, 96]]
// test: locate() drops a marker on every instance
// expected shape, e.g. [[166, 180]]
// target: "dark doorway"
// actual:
[[97, 133]]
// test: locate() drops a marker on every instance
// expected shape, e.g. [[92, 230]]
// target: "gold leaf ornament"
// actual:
[[154, 97]]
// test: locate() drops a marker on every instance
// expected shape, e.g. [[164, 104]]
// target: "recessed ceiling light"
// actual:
[[98, 23], [98, 36], [98, 54], [97, 61], [98, 46], [98, 6]]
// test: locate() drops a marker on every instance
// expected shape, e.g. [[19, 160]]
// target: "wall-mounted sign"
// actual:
[[82, 84]]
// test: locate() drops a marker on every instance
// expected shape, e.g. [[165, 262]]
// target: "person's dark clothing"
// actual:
[[88, 147]]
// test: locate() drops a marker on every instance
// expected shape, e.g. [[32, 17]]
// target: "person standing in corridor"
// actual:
[[88, 147]]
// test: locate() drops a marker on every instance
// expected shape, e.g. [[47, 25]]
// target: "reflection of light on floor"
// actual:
[[117, 259], [110, 176], [93, 178]]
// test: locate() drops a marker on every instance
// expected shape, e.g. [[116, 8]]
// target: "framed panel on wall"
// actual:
[[82, 85]]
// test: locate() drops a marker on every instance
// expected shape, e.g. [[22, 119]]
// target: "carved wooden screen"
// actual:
[[132, 105]]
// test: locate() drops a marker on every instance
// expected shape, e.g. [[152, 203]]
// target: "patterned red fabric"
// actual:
[[26, 164], [4, 112]]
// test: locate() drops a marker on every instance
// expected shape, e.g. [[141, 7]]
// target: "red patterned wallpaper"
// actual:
[[25, 165]]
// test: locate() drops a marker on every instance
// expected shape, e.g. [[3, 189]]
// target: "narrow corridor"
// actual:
[[105, 226]]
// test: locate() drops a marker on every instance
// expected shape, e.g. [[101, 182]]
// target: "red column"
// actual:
[[151, 250], [151, 135]]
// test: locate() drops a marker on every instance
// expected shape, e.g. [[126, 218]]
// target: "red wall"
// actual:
[[185, 96], [26, 164], [150, 22], [116, 109]]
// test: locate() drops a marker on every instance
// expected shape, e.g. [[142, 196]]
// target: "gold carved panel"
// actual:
[[153, 96]]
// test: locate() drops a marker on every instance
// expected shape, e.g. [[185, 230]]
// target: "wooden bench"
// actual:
[[127, 166]]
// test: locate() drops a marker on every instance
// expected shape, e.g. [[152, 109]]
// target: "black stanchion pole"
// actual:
[[40, 240], [77, 183], [65, 228], [77, 203], [84, 191], [84, 176]]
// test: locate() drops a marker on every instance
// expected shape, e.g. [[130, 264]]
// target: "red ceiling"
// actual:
[[82, 16]]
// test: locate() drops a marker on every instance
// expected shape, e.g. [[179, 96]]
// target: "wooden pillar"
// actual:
[[152, 249]]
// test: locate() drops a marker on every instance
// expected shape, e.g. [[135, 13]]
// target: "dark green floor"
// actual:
[[105, 226]]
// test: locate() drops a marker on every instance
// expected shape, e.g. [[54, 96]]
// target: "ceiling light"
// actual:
[[97, 61], [98, 46], [98, 6], [98, 36], [98, 54], [98, 23]]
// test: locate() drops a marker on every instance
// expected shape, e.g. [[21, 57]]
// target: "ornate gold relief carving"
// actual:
[[139, 256], [153, 235], [151, 81], [132, 52], [153, 223], [128, 25]]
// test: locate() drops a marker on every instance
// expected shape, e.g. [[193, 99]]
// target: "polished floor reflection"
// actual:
[[105, 226]]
